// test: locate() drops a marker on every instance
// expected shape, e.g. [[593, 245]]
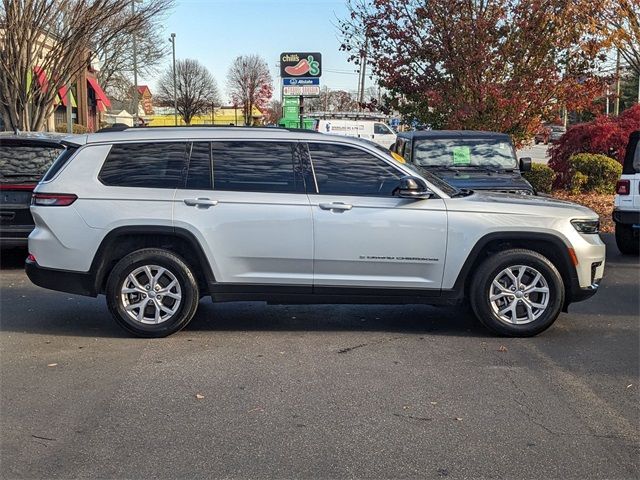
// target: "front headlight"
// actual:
[[586, 226]]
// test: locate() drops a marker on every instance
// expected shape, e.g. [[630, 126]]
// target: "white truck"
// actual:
[[373, 130]]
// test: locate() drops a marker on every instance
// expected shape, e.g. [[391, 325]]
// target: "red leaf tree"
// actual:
[[493, 64], [604, 135]]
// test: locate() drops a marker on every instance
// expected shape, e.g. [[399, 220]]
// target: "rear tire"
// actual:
[[628, 243], [517, 293], [152, 293]]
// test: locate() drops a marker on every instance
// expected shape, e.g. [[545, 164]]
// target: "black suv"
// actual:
[[24, 159], [467, 159]]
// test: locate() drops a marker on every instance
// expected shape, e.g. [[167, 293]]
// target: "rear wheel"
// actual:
[[152, 293], [628, 243], [517, 293]]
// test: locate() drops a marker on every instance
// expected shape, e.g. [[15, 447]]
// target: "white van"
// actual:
[[375, 131]]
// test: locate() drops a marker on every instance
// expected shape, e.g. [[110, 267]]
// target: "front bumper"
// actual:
[[79, 283], [627, 217]]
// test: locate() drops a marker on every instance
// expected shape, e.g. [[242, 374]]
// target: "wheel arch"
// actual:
[[124, 240], [546, 244]]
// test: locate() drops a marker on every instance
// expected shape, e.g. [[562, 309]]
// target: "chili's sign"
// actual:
[[301, 65]]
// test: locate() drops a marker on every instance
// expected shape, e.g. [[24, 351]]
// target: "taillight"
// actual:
[[53, 199], [623, 187], [31, 258]]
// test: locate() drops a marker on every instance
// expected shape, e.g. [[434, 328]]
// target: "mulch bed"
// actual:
[[602, 204]]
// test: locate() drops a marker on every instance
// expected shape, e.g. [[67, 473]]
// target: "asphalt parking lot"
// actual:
[[256, 391]]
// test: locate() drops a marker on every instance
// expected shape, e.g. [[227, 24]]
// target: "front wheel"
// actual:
[[517, 293], [152, 293]]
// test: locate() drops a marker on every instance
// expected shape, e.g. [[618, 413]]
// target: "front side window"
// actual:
[[381, 129], [464, 153], [345, 170], [146, 165], [253, 166]]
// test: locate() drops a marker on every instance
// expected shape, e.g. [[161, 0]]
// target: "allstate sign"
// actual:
[[301, 81]]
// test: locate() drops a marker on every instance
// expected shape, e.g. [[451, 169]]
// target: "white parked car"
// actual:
[[155, 219], [376, 131], [626, 212]]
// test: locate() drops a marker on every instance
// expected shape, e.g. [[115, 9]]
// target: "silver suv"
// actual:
[[155, 219]]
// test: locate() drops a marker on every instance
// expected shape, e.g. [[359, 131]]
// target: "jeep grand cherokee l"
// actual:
[[155, 219]]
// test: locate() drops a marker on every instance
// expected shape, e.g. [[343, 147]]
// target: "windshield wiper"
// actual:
[[462, 192]]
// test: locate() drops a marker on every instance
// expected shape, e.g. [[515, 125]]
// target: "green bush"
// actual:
[[594, 173], [540, 177], [78, 129]]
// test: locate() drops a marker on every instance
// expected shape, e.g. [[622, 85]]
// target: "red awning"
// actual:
[[100, 95], [42, 77]]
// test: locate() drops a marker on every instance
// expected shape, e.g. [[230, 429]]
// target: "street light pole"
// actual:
[[175, 95], [135, 69]]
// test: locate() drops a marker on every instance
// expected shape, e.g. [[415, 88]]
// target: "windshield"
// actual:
[[26, 163], [464, 153]]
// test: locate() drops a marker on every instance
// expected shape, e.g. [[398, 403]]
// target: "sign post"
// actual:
[[300, 73]]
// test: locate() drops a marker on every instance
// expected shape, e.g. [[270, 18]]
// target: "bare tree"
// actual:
[[622, 21], [116, 57], [56, 38], [273, 112], [250, 84], [196, 89], [332, 101]]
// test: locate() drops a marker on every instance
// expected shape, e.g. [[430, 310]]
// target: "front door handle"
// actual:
[[335, 206], [200, 202]]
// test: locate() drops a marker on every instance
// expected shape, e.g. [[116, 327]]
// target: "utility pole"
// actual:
[[607, 97], [69, 114], [172, 39], [363, 74], [617, 104], [135, 69]]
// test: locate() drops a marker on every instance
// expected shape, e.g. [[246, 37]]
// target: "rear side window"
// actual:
[[344, 170], [146, 165], [256, 167], [60, 162]]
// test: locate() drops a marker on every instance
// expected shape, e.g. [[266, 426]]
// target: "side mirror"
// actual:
[[525, 164], [412, 187]]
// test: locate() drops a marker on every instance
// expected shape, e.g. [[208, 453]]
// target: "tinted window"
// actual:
[[199, 173], [257, 167], [60, 162], [343, 170], [151, 165]]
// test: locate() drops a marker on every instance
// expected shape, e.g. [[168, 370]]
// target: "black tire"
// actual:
[[628, 243], [177, 270], [482, 282]]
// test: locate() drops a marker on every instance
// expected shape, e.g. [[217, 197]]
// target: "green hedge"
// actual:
[[593, 173], [78, 129], [540, 177]]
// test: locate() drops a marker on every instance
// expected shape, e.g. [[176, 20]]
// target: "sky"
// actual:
[[214, 32]]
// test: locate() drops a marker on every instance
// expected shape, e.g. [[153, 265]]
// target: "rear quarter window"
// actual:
[[145, 165]]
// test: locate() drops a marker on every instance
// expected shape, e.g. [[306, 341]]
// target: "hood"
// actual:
[[483, 180], [521, 204]]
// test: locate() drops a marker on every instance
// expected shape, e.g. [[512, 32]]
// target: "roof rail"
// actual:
[[122, 127]]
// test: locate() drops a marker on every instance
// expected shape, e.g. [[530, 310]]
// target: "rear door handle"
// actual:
[[200, 202], [335, 206]]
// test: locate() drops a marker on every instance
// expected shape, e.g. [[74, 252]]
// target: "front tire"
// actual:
[[517, 293], [627, 242], [152, 293]]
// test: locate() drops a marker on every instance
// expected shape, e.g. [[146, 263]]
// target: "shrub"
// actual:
[[593, 173], [78, 129], [540, 177], [604, 135]]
